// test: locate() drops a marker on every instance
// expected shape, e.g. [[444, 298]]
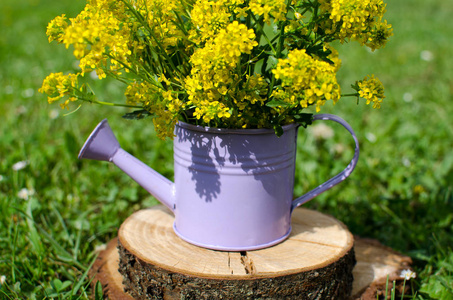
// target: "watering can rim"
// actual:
[[91, 138], [253, 131]]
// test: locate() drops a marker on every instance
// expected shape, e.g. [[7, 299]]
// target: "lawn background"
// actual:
[[57, 212]]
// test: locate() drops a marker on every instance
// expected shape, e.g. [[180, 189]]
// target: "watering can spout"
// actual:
[[103, 145]]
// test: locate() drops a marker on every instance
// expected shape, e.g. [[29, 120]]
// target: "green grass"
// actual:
[[400, 192]]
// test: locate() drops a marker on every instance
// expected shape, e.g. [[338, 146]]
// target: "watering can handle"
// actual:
[[339, 177]]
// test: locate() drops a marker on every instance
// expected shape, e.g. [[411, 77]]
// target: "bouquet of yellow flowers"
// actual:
[[218, 63]]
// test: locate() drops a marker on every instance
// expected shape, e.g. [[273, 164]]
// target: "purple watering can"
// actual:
[[233, 188]]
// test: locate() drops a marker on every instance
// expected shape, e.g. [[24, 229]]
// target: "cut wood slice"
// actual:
[[315, 262], [378, 268]]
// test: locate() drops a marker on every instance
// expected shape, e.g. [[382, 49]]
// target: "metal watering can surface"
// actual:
[[233, 188]]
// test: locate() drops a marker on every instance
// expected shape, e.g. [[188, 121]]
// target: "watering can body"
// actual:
[[233, 188]]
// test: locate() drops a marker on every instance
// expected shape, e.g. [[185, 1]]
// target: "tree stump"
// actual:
[[315, 262], [374, 263]]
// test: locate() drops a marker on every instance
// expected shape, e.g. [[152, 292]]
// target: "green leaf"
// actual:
[[437, 289], [56, 284], [278, 130], [277, 103], [137, 115], [303, 119], [98, 294], [34, 237], [271, 63]]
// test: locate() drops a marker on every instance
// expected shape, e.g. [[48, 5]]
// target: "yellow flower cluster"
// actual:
[[275, 9], [371, 89], [306, 80], [208, 18], [213, 75], [57, 86], [161, 18], [142, 93], [359, 20], [225, 63], [56, 28], [98, 39], [156, 101]]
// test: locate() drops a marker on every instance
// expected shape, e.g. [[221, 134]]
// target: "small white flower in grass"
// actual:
[[28, 93], [53, 114], [1, 178], [25, 193], [406, 162], [100, 248], [371, 137], [407, 97], [20, 165], [322, 131], [408, 274], [2, 279], [426, 55]]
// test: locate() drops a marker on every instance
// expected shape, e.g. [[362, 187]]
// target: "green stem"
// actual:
[[108, 103], [350, 95], [271, 86], [404, 286], [260, 29], [162, 51]]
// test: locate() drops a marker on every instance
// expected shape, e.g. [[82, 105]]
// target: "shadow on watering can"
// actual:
[[212, 156], [201, 158]]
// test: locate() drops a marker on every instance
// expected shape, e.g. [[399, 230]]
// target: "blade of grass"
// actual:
[[393, 296], [5, 295], [61, 253], [386, 288], [62, 222], [77, 243], [404, 286], [82, 278], [98, 294], [35, 238], [13, 254]]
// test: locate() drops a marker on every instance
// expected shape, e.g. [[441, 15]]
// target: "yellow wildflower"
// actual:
[[307, 79], [378, 36], [208, 18], [213, 75], [227, 63], [371, 89], [275, 9], [359, 20], [210, 110], [57, 86], [98, 38], [164, 124], [56, 28]]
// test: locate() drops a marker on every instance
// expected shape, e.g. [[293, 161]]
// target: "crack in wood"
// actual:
[[229, 264], [316, 243], [247, 262]]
